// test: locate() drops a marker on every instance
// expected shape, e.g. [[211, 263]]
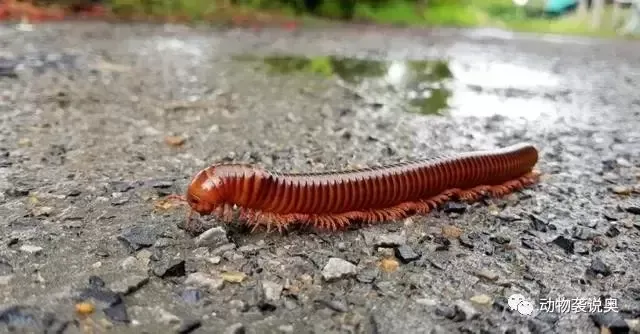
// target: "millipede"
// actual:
[[333, 200]]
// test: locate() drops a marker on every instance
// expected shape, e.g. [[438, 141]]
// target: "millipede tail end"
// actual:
[[514, 185]]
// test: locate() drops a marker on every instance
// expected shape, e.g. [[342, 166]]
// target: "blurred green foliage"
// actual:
[[194, 9], [456, 13]]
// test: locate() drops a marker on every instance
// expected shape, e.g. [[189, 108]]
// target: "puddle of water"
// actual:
[[430, 87], [501, 75], [419, 86]]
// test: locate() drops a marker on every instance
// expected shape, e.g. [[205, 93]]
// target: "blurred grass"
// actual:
[[451, 13]]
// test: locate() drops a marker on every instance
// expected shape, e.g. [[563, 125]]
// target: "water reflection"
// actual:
[[432, 87], [420, 86]]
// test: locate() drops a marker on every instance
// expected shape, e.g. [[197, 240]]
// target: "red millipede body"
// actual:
[[331, 200]]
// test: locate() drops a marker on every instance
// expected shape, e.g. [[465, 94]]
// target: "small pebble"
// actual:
[[622, 162], [117, 313], [610, 320], [285, 328], [454, 207], [538, 223], [528, 243], [592, 223], [163, 243], [212, 238], [508, 217], [599, 267], [290, 303], [119, 201], [169, 268], [191, 296], [42, 211], [250, 249], [612, 232], [200, 252], [621, 190], [500, 239], [204, 280], [406, 254], [161, 184], [633, 208], [426, 302], [31, 249], [389, 240], [367, 275], [408, 222], [634, 325], [481, 299], [272, 290], [237, 328], [389, 265], [144, 256], [386, 252], [583, 233], [174, 140], [465, 311], [599, 244], [611, 216], [337, 268], [96, 282], [451, 232], [564, 243], [445, 311], [224, 248], [487, 274], [129, 263], [166, 317], [581, 248], [334, 305], [233, 276], [138, 237], [85, 308]]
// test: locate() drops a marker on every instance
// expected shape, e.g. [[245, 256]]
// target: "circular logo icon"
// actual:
[[518, 303]]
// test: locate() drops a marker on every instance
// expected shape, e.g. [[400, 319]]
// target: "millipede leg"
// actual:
[[473, 194], [227, 213], [269, 221], [176, 197], [450, 193]]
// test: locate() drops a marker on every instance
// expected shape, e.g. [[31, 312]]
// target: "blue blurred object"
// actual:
[[559, 7]]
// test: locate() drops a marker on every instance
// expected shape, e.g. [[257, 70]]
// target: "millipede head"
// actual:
[[204, 193]]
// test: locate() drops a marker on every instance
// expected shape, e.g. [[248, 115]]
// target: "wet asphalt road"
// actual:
[[85, 113]]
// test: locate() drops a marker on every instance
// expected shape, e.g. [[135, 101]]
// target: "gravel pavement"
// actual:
[[98, 121]]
